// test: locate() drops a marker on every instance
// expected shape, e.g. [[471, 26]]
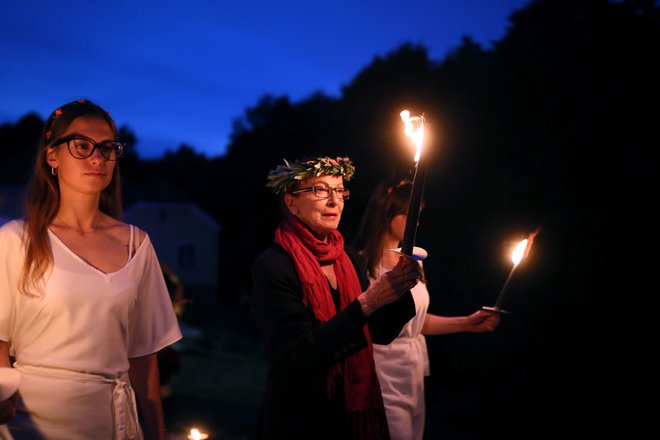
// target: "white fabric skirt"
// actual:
[[56, 404], [401, 367]]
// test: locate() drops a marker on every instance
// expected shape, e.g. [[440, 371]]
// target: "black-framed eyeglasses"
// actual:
[[82, 147], [323, 192]]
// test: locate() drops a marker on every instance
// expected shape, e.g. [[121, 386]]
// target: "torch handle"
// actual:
[[414, 208], [498, 302]]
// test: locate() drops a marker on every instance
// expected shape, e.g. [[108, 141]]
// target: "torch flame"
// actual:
[[195, 434], [519, 252], [530, 239], [522, 249], [417, 136]]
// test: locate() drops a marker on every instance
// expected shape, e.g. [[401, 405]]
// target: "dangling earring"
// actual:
[[53, 171]]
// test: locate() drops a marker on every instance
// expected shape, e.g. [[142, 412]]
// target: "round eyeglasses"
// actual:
[[323, 192], [82, 147]]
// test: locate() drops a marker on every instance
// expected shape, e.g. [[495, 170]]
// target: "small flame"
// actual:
[[519, 252], [417, 136], [195, 434]]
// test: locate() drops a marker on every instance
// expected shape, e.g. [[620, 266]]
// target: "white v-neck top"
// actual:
[[86, 320]]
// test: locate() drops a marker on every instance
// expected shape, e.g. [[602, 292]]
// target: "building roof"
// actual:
[[173, 206]]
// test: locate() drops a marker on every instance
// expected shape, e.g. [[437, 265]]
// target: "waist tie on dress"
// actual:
[[124, 408], [416, 343], [407, 339]]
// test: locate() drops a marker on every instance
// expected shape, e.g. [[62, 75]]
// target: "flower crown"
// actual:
[[282, 178]]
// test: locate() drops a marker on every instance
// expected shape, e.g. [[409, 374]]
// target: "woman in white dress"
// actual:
[[83, 305], [402, 364]]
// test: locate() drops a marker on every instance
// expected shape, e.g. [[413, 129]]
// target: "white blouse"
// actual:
[[87, 320]]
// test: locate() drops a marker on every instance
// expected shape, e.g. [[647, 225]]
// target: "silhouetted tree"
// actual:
[[18, 143]]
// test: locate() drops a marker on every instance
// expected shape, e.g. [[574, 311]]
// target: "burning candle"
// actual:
[[414, 129], [196, 434], [519, 253]]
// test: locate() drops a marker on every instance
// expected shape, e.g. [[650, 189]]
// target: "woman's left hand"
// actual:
[[482, 321]]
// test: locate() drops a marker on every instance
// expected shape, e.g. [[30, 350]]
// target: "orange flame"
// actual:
[[416, 135], [519, 252], [195, 434], [523, 247]]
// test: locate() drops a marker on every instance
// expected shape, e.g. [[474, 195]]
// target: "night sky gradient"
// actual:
[[180, 72]]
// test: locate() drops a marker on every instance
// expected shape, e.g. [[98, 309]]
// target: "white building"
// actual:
[[186, 239]]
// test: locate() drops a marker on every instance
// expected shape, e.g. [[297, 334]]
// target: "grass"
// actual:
[[219, 386]]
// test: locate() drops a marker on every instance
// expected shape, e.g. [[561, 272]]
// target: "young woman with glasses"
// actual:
[[402, 364], [311, 301], [84, 307]]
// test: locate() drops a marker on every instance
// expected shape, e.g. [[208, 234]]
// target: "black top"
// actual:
[[300, 351]]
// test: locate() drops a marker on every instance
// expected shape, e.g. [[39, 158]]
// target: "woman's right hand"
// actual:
[[389, 287], [7, 411]]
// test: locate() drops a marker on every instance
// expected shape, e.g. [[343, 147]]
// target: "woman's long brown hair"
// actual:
[[389, 199], [42, 199]]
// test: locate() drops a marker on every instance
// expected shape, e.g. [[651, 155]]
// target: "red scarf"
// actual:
[[361, 390]]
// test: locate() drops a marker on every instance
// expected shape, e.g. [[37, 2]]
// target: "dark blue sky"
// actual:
[[182, 71]]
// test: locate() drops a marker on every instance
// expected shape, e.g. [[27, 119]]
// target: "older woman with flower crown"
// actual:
[[311, 301]]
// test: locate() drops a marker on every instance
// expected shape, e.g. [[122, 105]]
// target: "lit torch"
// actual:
[[414, 129], [519, 253], [196, 434]]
